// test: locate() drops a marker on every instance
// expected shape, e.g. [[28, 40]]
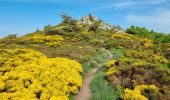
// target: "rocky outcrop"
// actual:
[[90, 20], [87, 20]]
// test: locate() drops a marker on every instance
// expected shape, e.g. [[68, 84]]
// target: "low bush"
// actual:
[[129, 73], [27, 74], [127, 41], [51, 40], [142, 92]]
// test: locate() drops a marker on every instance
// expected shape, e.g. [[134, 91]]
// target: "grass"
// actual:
[[86, 68], [117, 53], [102, 89], [94, 61], [71, 96], [99, 57]]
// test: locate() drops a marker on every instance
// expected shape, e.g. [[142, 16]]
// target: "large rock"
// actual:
[[90, 20], [87, 20]]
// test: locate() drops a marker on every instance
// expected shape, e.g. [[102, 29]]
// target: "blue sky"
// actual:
[[24, 16]]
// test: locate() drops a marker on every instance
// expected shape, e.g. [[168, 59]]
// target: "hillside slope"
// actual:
[[139, 68]]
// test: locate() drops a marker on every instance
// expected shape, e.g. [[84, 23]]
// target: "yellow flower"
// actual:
[[30, 75], [111, 71], [147, 42], [51, 40], [110, 63], [111, 67], [133, 95], [122, 36], [160, 58], [136, 93]]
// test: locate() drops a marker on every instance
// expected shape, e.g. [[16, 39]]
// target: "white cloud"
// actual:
[[158, 20], [131, 3], [119, 5]]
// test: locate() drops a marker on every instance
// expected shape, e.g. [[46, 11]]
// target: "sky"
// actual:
[[25, 16]]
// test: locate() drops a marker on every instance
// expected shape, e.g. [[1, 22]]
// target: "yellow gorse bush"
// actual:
[[122, 36], [147, 42], [30, 75], [50, 40], [149, 87], [133, 95], [136, 41], [111, 67], [147, 55], [110, 63], [111, 71], [136, 94], [160, 58]]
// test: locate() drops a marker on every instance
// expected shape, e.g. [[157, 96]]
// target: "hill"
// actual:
[[133, 64]]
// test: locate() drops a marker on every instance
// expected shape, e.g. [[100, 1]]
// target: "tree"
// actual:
[[67, 19], [137, 31], [70, 24], [143, 32], [48, 30]]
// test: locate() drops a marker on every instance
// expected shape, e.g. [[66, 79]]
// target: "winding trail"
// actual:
[[85, 93]]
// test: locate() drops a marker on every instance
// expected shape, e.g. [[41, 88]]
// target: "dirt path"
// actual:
[[85, 93]]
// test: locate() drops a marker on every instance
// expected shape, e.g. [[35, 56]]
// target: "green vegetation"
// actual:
[[143, 32], [102, 89], [141, 63], [94, 61]]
